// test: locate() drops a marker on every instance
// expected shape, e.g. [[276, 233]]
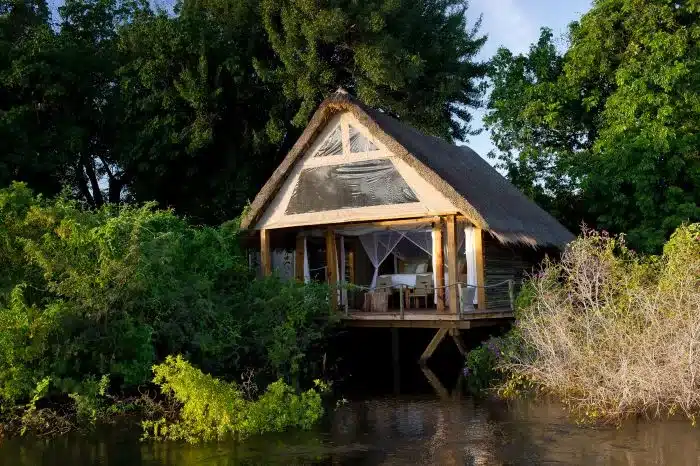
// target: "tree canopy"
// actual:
[[607, 131], [114, 101]]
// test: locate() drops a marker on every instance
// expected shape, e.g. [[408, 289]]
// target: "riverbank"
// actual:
[[610, 333]]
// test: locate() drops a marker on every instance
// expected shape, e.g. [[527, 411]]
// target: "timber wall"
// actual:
[[503, 263]]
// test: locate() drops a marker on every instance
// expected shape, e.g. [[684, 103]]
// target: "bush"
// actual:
[[109, 292], [480, 369], [612, 333], [212, 409]]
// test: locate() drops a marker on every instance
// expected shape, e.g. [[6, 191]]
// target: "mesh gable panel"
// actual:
[[359, 142], [333, 145], [350, 185]]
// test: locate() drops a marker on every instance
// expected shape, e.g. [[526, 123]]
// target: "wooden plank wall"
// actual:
[[503, 262]]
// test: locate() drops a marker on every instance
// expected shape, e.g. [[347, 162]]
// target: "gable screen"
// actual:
[[350, 185], [333, 145], [358, 142]]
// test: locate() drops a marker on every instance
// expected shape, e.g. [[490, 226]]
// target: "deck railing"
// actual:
[[402, 289]]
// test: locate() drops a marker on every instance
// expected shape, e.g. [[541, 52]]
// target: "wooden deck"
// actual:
[[427, 318]]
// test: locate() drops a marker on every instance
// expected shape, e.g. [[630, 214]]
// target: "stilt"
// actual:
[[457, 337], [395, 359], [430, 349]]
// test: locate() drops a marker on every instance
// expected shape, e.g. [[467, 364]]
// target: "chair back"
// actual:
[[424, 285], [384, 284], [466, 297]]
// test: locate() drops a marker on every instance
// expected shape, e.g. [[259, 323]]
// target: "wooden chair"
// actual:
[[423, 289], [466, 298]]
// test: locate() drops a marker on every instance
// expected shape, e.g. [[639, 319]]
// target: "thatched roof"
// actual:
[[480, 193]]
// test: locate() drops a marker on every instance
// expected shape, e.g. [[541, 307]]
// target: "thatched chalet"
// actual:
[[417, 228]]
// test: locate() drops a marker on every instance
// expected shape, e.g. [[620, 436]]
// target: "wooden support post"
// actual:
[[452, 276], [479, 252], [439, 266], [265, 254], [299, 259], [457, 337], [395, 359], [430, 349], [331, 272]]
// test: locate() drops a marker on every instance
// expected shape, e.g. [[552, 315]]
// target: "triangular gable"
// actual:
[[347, 175]]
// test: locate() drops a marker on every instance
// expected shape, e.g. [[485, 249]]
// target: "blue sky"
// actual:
[[516, 24]]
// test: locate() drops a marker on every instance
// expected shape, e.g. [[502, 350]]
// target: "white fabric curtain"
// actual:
[[307, 273], [433, 254], [378, 246], [470, 256]]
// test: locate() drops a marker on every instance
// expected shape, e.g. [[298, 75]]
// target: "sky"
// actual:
[[515, 24]]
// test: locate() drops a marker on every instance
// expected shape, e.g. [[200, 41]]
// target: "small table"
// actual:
[[376, 301]]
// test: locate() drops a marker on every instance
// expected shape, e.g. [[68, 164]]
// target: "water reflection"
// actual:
[[397, 430]]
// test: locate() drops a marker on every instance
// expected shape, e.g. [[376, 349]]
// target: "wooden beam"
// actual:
[[480, 282], [331, 261], [299, 259], [439, 266], [399, 222], [350, 262], [265, 254], [453, 292], [457, 337], [432, 346]]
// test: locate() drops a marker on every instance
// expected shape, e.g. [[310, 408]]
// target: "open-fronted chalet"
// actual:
[[422, 232]]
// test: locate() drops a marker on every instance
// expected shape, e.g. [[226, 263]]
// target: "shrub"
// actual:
[[611, 333], [109, 292], [480, 369], [212, 409]]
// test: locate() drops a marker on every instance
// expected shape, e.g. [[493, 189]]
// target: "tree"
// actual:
[[195, 109], [613, 121], [26, 82], [413, 59]]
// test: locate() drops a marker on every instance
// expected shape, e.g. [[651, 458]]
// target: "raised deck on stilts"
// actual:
[[427, 318]]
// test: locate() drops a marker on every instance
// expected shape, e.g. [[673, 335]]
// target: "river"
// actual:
[[407, 416]]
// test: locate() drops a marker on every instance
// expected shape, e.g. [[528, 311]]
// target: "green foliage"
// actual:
[[212, 409], [610, 332], [194, 108], [89, 403], [480, 369], [414, 59], [607, 132], [87, 295]]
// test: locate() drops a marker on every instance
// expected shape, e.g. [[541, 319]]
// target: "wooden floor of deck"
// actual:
[[427, 318]]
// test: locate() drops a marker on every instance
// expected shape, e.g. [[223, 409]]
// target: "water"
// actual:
[[402, 417], [400, 430]]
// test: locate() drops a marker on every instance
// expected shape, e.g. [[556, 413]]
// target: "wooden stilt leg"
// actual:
[[430, 349], [457, 337], [395, 359]]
